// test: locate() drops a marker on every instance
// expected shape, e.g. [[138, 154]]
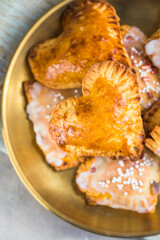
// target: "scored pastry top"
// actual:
[[106, 120], [91, 34]]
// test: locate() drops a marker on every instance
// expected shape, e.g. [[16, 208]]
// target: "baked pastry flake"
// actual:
[[152, 117], [153, 143], [152, 128]]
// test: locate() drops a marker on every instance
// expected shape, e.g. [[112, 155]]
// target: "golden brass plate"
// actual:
[[53, 190]]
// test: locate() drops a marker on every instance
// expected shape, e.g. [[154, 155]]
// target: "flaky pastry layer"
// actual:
[[153, 143]]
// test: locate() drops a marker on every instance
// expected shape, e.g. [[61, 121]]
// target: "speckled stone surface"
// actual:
[[21, 216]]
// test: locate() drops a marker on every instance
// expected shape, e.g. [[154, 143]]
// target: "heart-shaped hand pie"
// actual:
[[106, 120], [91, 34]]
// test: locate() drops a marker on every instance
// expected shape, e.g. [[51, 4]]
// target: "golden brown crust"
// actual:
[[120, 184], [154, 142], [124, 30], [147, 75], [91, 34], [155, 35], [152, 117], [40, 105], [69, 161], [27, 87], [106, 120]]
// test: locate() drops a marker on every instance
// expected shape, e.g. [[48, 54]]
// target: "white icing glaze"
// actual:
[[138, 39], [82, 180], [152, 49], [50, 157]]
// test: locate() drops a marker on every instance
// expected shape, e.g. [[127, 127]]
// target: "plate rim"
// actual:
[[10, 151]]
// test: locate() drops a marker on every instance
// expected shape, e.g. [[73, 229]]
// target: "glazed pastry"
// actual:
[[130, 185], [152, 117], [106, 120], [91, 34], [152, 127], [152, 48], [147, 75], [41, 102], [154, 142]]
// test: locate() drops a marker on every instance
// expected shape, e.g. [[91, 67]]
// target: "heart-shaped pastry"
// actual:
[[106, 120], [91, 34]]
